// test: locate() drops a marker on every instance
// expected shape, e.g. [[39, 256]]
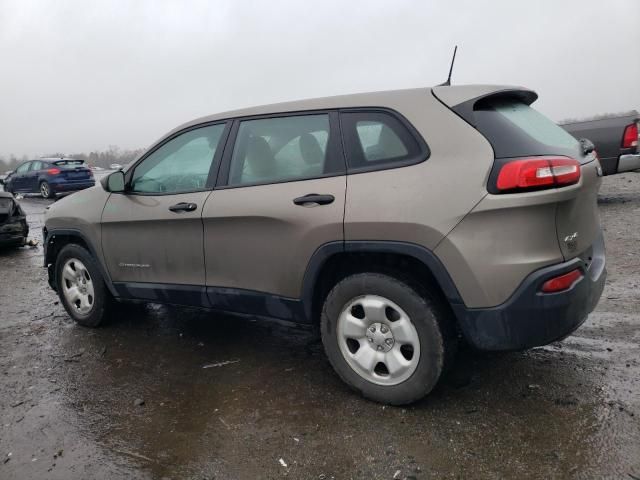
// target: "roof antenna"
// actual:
[[448, 82]]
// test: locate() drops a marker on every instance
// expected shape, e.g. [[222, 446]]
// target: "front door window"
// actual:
[[181, 165]]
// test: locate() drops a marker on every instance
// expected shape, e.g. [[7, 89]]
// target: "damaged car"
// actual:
[[13, 222]]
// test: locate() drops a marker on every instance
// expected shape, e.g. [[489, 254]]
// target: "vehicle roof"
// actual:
[[388, 98]]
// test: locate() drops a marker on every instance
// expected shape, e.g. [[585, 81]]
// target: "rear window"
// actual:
[[514, 129], [67, 163]]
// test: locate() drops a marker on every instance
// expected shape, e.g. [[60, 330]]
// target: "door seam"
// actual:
[[204, 249]]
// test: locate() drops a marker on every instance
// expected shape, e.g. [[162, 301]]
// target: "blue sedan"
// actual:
[[49, 176]]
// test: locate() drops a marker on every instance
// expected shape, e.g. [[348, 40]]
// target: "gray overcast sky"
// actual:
[[82, 75]]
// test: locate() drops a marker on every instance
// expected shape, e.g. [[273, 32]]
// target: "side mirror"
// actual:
[[114, 182], [587, 146], [1, 181]]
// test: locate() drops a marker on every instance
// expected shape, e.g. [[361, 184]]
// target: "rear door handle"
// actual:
[[314, 198], [183, 207]]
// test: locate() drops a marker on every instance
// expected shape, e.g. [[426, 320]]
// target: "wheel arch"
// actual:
[[55, 240], [335, 260]]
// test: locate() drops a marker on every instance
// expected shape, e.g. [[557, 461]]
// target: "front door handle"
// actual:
[[183, 207], [314, 198]]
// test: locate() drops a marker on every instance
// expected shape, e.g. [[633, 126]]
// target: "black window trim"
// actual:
[[334, 147], [422, 156], [218, 180], [213, 170]]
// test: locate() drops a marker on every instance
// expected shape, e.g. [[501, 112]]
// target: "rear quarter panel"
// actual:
[[507, 237], [498, 244], [421, 203]]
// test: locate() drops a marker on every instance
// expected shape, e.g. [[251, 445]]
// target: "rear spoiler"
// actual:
[[463, 99]]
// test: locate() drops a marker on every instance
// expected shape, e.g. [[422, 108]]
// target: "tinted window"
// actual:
[[23, 168], [36, 166], [377, 139], [282, 149], [180, 165], [65, 163], [514, 129]]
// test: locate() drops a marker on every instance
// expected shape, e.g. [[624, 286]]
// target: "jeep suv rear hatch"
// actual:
[[532, 153]]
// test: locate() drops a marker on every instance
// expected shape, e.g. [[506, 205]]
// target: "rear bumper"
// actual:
[[14, 233], [530, 318], [628, 163], [12, 240]]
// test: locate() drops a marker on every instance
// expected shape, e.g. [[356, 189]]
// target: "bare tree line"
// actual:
[[95, 158]]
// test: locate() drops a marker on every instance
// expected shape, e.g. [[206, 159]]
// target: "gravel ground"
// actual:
[[136, 400]]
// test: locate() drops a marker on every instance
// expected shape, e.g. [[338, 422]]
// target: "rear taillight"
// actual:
[[630, 136], [53, 171], [537, 173], [562, 282]]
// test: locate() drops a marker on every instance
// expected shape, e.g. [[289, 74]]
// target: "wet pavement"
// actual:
[[176, 393]]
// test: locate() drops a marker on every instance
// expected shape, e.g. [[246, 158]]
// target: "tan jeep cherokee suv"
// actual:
[[398, 221]]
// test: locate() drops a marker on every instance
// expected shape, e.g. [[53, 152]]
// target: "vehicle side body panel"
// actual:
[[76, 218], [143, 241], [498, 244], [82, 212], [460, 160], [257, 239], [250, 249]]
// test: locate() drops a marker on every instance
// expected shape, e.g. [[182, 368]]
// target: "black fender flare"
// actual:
[[71, 232], [418, 252]]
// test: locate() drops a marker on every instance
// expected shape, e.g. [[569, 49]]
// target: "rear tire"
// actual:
[[81, 287], [383, 338], [45, 190]]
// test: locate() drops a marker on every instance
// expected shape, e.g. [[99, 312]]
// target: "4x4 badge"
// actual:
[[571, 241]]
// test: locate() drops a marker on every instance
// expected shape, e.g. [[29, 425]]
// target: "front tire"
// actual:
[[383, 338], [45, 190], [81, 287]]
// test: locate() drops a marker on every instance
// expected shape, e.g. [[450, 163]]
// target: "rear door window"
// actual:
[[514, 129], [376, 140], [283, 149], [36, 166]]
